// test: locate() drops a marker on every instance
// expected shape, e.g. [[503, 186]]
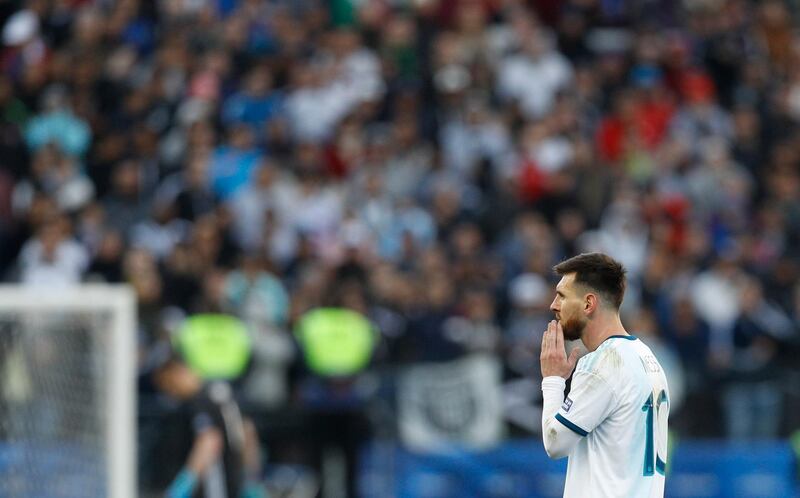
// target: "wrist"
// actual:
[[183, 485], [564, 372], [554, 382]]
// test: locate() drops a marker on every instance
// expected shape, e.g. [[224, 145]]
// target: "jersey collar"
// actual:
[[620, 336]]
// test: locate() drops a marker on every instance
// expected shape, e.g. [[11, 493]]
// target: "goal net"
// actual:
[[67, 392]]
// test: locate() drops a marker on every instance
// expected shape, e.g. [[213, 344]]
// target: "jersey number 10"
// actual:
[[652, 459]]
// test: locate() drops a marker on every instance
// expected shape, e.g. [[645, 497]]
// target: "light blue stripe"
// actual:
[[569, 425], [591, 360]]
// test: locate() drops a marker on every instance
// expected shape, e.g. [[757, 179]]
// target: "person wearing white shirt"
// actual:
[[534, 76], [52, 259], [613, 423]]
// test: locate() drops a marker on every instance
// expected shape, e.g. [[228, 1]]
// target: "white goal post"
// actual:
[[68, 391]]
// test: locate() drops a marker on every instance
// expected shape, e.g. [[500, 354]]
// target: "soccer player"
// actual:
[[613, 423], [218, 445]]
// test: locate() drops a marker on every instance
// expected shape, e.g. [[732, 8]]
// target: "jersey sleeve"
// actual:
[[201, 422], [205, 414], [558, 440], [589, 402]]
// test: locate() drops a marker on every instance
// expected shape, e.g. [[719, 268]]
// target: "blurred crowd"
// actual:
[[424, 163]]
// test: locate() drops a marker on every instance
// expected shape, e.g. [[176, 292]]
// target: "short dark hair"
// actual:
[[599, 272]]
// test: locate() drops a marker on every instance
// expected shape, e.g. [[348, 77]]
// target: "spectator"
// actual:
[[260, 211], [231, 165], [537, 61], [530, 303], [58, 124], [126, 204], [53, 257], [256, 103], [191, 189], [752, 398], [57, 175], [106, 264], [161, 232]]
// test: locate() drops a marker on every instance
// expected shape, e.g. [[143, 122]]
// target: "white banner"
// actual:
[[458, 402]]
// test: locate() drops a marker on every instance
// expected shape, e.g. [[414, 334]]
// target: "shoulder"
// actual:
[[210, 399], [608, 360]]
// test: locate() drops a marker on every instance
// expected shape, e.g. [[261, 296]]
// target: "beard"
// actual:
[[573, 328]]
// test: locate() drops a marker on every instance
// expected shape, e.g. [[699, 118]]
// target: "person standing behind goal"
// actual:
[[613, 423]]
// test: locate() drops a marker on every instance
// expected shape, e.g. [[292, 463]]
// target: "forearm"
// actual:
[[206, 450], [558, 439]]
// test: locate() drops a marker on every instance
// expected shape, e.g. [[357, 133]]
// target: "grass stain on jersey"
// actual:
[[551, 436], [609, 362]]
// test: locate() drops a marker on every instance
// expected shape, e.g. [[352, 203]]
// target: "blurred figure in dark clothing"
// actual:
[[208, 449], [752, 396], [689, 335]]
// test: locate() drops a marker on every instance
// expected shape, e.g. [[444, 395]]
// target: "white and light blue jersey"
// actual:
[[618, 405]]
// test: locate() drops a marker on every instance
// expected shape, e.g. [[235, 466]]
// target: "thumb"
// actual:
[[573, 358]]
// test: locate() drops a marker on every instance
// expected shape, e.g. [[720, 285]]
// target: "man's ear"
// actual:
[[590, 303]]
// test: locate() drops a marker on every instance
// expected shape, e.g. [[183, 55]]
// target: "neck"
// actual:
[[600, 329]]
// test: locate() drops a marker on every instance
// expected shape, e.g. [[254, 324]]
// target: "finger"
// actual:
[[543, 343], [551, 331], [573, 358], [560, 337], [543, 346]]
